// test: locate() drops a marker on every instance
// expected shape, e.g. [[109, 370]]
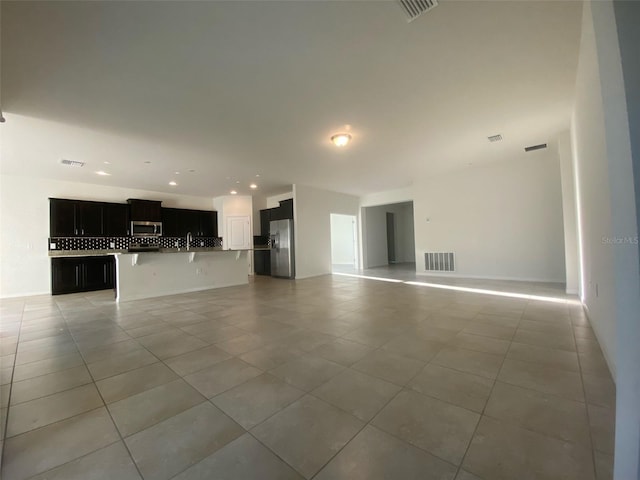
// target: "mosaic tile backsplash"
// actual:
[[123, 243]]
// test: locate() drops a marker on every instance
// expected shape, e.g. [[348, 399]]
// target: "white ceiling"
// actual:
[[243, 88]]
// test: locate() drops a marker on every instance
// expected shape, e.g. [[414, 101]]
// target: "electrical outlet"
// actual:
[[112, 244], [52, 246], [202, 244]]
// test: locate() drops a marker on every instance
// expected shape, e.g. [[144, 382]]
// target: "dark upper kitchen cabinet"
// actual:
[[115, 219], [171, 226], [191, 222], [145, 210], [82, 274], [75, 218], [208, 223], [265, 218], [62, 217], [177, 222], [286, 209], [89, 219], [282, 212]]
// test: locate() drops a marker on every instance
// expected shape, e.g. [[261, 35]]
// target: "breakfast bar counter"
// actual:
[[153, 274]]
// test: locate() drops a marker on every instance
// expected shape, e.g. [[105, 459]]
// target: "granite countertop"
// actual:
[[91, 253], [97, 253]]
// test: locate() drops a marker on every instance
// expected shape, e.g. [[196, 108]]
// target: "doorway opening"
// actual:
[[344, 242], [391, 238], [388, 239]]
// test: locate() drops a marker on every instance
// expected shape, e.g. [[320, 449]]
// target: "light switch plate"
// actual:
[[52, 246]]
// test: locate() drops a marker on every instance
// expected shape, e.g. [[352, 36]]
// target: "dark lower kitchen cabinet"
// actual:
[[82, 274], [262, 262]]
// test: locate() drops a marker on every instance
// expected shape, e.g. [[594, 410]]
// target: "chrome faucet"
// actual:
[[189, 238]]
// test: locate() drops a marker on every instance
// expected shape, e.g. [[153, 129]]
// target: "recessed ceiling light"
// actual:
[[172, 183], [341, 139], [177, 173], [233, 192], [103, 173], [107, 163], [257, 175], [237, 181], [253, 186]]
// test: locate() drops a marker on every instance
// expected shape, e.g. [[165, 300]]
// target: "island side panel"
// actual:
[[157, 274]]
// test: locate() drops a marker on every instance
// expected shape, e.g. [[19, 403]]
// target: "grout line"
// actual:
[[10, 386], [482, 414]]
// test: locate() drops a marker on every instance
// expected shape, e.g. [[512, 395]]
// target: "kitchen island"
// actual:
[[141, 275], [153, 274]]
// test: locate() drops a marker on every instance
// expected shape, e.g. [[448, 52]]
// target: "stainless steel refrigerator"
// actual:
[[282, 258]]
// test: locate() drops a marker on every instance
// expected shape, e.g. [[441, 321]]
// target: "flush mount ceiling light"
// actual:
[[253, 186], [233, 192], [172, 183], [103, 173], [341, 139]]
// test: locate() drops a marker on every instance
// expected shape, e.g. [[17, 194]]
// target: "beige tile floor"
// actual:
[[330, 378]]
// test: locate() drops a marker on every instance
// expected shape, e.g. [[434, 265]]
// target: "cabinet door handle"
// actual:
[[77, 275], [83, 231]]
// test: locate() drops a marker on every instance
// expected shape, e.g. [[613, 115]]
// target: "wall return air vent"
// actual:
[[414, 8], [439, 262], [535, 147]]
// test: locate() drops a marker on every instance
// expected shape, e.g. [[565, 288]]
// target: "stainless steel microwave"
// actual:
[[146, 229]]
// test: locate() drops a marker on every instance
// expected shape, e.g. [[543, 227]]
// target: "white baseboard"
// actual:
[[488, 277]]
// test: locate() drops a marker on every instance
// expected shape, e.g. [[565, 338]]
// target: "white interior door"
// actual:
[[238, 233]]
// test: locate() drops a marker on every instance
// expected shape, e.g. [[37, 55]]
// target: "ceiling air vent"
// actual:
[[71, 163], [535, 147], [414, 8], [495, 138]]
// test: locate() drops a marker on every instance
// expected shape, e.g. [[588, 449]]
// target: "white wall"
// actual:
[[343, 239], [259, 202], [374, 227], [24, 225], [312, 228], [503, 220], [567, 175], [387, 197], [273, 201], [608, 230]]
